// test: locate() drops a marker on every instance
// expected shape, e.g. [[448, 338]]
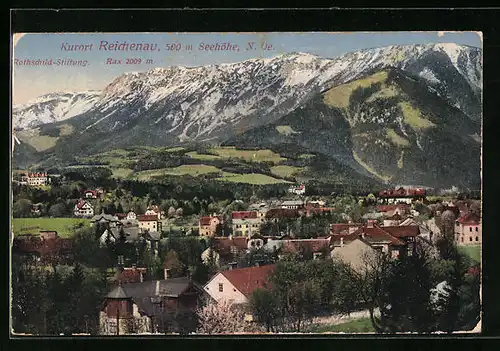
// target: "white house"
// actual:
[[298, 190], [236, 285], [131, 215], [83, 208]]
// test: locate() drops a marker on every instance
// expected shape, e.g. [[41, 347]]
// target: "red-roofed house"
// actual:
[[149, 223], [344, 228], [236, 285], [468, 229], [35, 179], [47, 248], [245, 223], [131, 275], [225, 250], [315, 247], [91, 194], [207, 225], [390, 240], [83, 208]]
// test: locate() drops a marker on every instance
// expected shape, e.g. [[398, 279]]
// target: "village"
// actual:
[[230, 267]]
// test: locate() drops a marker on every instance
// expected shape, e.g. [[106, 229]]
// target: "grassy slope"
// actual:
[[473, 251], [63, 226], [248, 155], [285, 171], [254, 178], [362, 325]]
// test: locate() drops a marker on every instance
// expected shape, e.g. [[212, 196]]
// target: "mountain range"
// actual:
[[399, 114]]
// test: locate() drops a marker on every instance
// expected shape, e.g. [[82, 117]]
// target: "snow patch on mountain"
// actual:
[[53, 107]]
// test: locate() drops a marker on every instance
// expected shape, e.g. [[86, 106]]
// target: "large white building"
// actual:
[[35, 179]]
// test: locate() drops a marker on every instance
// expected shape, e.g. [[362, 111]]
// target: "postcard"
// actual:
[[246, 183]]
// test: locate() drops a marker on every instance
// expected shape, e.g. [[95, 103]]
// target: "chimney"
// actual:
[[141, 276], [157, 289], [257, 264], [166, 272], [370, 223], [341, 242]]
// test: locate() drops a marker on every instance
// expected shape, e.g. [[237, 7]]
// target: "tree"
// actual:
[[265, 307], [221, 317], [172, 262], [405, 302], [171, 211], [21, 208], [58, 210], [447, 224], [368, 281]]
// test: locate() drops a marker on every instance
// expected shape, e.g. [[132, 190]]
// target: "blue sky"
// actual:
[[32, 81]]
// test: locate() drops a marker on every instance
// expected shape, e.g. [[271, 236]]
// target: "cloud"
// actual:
[[17, 37]]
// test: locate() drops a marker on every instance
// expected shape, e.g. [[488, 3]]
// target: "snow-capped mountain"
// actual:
[[51, 108], [215, 103]]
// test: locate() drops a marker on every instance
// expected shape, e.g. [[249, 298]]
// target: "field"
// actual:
[[121, 172], [362, 325], [254, 178], [39, 142], [413, 117], [285, 171], [248, 155], [339, 96], [473, 251], [396, 139], [203, 157], [63, 226], [192, 170]]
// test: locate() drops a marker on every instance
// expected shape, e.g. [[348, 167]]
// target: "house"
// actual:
[[391, 210], [149, 223], [104, 218], [36, 209], [207, 225], [131, 274], [354, 253], [83, 208], [148, 306], [236, 285], [292, 204], [155, 210], [402, 195], [394, 240], [393, 220], [90, 194], [121, 216], [131, 215], [153, 241], [311, 210], [298, 190], [225, 250], [468, 229], [245, 223], [314, 248], [35, 179], [46, 248], [425, 230], [344, 228], [112, 234], [274, 214]]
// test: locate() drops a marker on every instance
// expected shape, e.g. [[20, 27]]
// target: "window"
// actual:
[[462, 239], [476, 229], [470, 239], [221, 287], [477, 239], [470, 229]]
